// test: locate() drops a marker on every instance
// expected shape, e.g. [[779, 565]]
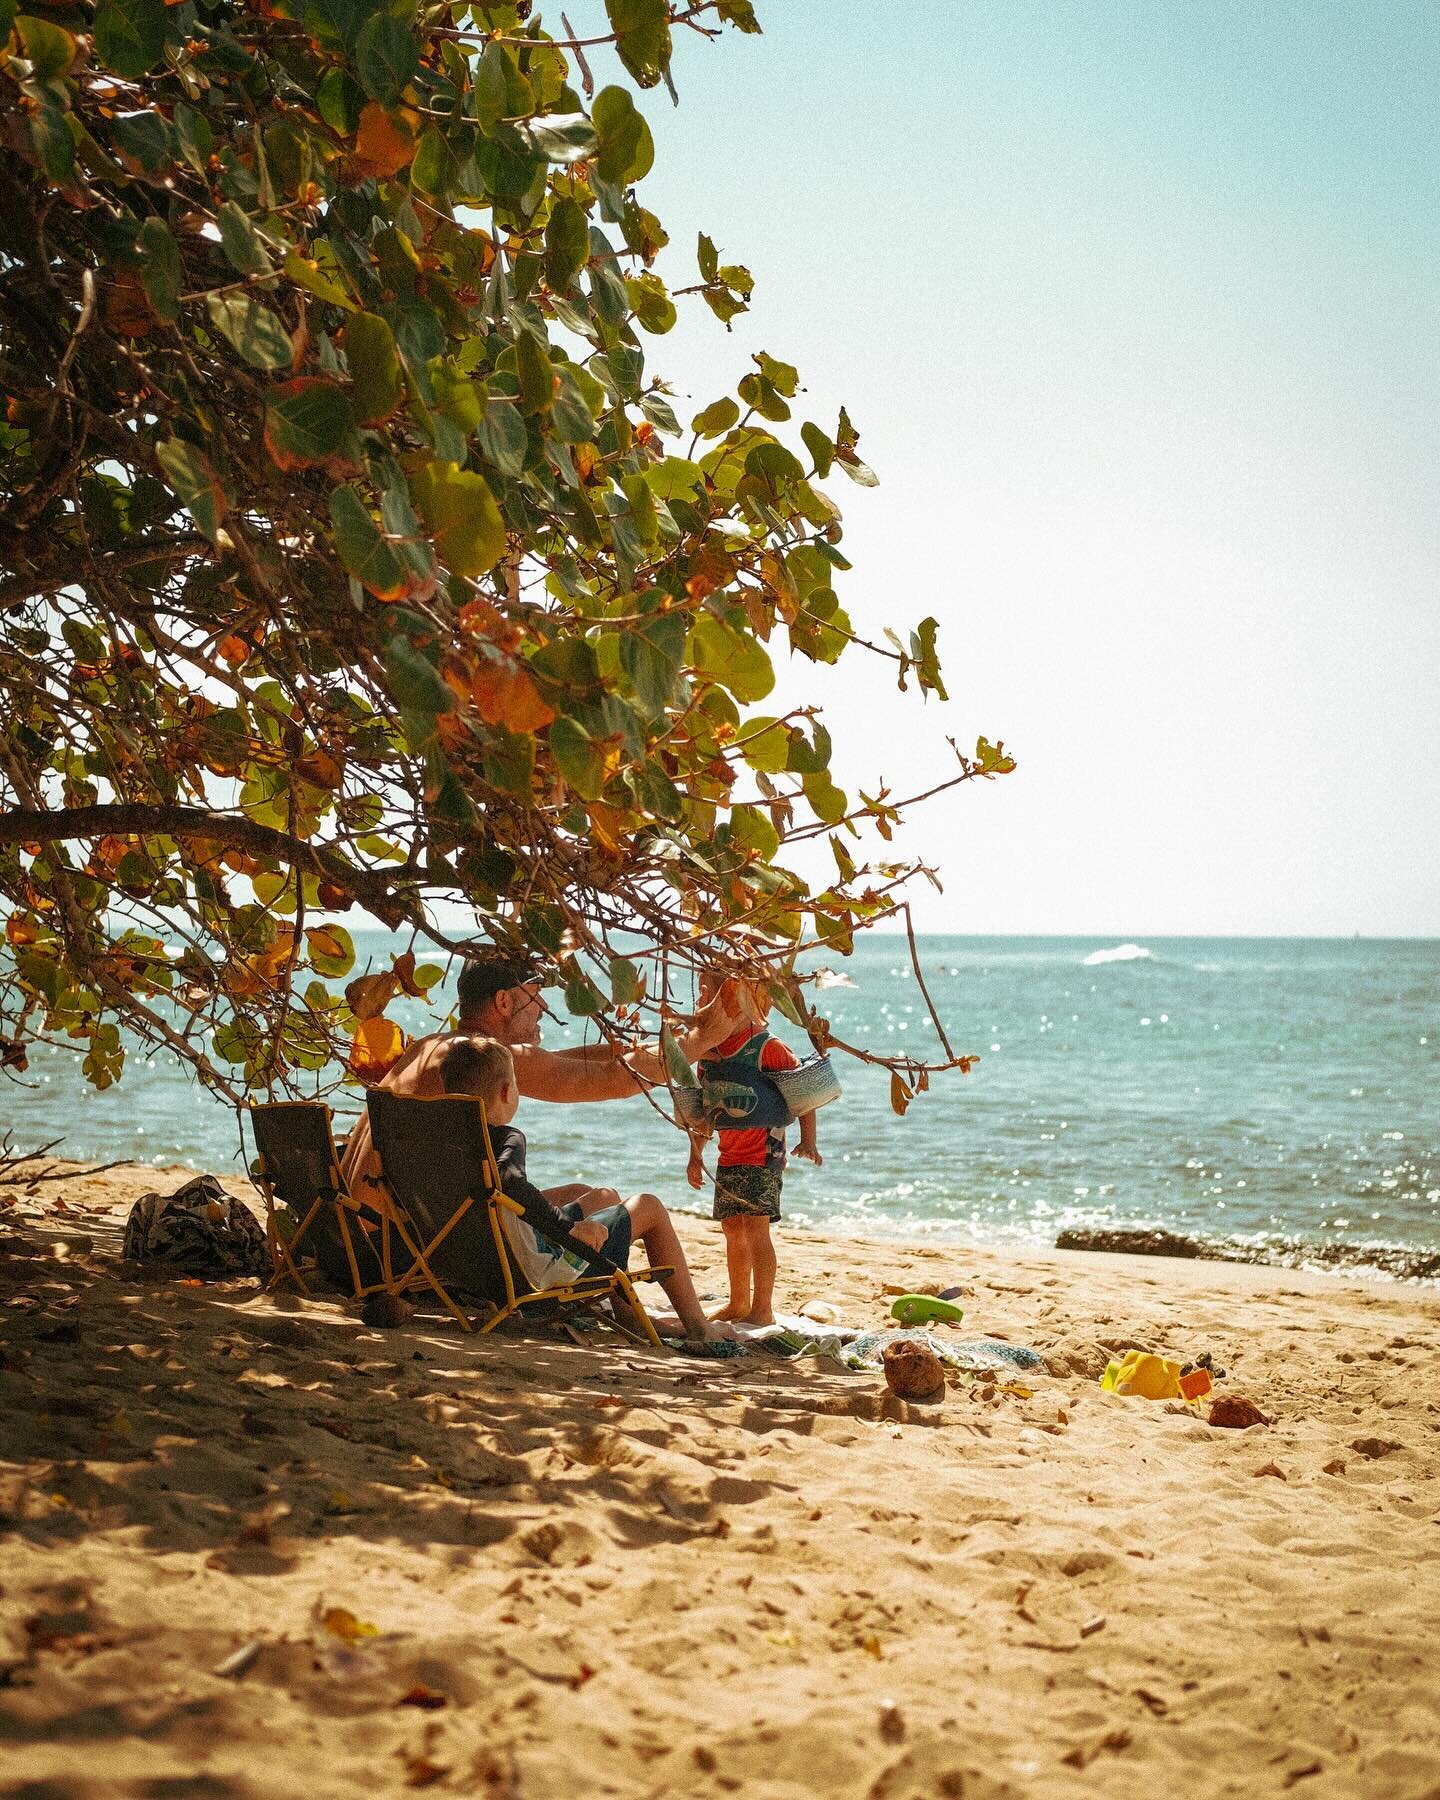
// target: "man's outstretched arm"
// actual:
[[610, 1071]]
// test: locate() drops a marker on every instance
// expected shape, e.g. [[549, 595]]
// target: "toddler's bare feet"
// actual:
[[765, 1317], [731, 1310]]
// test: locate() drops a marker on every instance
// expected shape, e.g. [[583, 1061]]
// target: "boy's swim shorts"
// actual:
[[744, 1190]]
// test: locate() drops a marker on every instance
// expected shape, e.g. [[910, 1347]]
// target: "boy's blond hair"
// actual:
[[478, 1066]]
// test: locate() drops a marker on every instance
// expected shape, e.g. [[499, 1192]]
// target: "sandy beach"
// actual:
[[250, 1547]]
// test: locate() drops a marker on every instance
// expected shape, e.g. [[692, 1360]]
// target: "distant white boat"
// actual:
[[1121, 953]]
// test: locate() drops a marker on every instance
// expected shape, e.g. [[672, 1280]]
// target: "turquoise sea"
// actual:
[[1275, 1098]]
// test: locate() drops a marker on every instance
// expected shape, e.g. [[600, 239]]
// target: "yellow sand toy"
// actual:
[[1155, 1378]]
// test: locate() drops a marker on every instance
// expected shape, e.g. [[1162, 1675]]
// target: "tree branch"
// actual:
[[372, 888]]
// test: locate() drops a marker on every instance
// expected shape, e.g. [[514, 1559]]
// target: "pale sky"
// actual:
[[1135, 307]]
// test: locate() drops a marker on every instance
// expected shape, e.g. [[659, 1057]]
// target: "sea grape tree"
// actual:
[[354, 555]]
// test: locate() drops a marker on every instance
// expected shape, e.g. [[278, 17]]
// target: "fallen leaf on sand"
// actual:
[[343, 1624], [421, 1772], [340, 1503], [1375, 1447], [1086, 1753], [428, 1699], [1335, 1466], [1294, 1775], [1271, 1468]]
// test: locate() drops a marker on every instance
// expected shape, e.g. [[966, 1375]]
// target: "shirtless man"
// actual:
[[499, 997]]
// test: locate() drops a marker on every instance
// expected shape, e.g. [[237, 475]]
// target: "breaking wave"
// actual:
[[1121, 953]]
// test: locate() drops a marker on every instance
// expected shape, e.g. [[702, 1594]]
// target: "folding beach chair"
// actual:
[[442, 1177], [297, 1166]]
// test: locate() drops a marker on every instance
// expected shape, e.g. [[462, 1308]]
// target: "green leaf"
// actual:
[[461, 513], [197, 142], [927, 663], [492, 84], [306, 422], [992, 758], [362, 546], [240, 241], [651, 654], [676, 478], [559, 137], [765, 745], [417, 688], [340, 99], [503, 437], [386, 56], [627, 149], [732, 658], [582, 997], [627, 984], [49, 49], [774, 465], [826, 800], [650, 303], [160, 269], [534, 373], [642, 37], [753, 830], [577, 758], [716, 418], [331, 950], [783, 377], [510, 760], [195, 483], [253, 329], [822, 451], [130, 35], [708, 258], [741, 14], [567, 245], [571, 420], [375, 379]]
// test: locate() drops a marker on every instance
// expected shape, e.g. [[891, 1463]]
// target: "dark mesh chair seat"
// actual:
[[297, 1165], [441, 1176]]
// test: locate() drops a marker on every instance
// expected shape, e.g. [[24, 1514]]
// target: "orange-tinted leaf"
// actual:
[[403, 970], [20, 930], [320, 769], [342, 1623], [127, 307], [306, 423], [235, 650], [367, 996], [384, 144], [377, 1046], [507, 696]]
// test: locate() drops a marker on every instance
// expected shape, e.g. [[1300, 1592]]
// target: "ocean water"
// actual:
[[1277, 1099]]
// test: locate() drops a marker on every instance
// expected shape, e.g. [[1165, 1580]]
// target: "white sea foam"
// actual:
[[1121, 953]]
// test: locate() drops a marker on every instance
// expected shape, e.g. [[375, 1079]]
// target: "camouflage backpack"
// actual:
[[198, 1230]]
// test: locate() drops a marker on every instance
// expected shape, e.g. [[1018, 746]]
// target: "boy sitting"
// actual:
[[483, 1069]]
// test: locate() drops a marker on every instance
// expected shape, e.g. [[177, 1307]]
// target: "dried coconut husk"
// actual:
[[913, 1371], [1235, 1412], [386, 1311]]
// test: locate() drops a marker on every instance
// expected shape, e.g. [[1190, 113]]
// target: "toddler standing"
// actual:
[[749, 1173]]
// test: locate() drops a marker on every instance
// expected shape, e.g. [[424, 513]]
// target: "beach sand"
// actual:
[[515, 1566]]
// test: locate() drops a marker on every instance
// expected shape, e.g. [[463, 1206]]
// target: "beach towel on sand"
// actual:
[[199, 1230]]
